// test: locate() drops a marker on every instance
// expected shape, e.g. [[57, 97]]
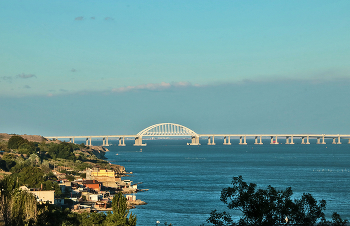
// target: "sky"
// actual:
[[117, 67]]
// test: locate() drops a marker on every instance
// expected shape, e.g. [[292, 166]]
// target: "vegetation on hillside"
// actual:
[[32, 164]]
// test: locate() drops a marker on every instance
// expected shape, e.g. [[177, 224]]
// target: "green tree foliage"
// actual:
[[15, 141], [27, 148], [63, 150], [269, 206], [119, 217], [6, 165], [32, 177], [17, 207], [23, 145], [3, 146]]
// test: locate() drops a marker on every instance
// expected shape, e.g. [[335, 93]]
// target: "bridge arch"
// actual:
[[167, 129]]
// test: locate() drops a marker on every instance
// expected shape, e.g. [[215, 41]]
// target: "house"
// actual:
[[102, 175], [93, 184], [131, 197], [41, 196]]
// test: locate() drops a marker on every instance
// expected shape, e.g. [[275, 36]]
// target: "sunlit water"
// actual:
[[185, 182]]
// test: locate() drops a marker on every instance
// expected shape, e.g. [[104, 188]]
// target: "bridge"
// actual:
[[172, 129]]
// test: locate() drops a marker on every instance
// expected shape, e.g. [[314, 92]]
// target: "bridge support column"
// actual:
[[105, 141], [334, 141], [274, 141], [318, 140], [244, 140], [228, 141], [87, 142], [121, 142], [256, 140], [349, 141], [323, 140], [212, 142], [260, 140], [291, 140], [240, 140], [307, 140], [287, 140], [302, 140], [138, 141], [194, 140], [338, 140]]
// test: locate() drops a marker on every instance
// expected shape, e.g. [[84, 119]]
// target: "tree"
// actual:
[[17, 207], [268, 206], [15, 141], [119, 217], [63, 150]]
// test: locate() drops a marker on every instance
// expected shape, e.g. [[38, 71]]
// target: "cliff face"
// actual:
[[99, 151]]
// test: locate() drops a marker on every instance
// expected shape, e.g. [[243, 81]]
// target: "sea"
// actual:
[[185, 182]]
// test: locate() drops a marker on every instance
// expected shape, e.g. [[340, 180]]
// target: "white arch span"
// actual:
[[167, 129]]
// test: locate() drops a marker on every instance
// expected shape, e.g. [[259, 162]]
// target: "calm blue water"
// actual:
[[185, 182]]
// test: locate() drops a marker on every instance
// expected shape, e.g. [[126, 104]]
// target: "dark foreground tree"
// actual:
[[120, 217], [269, 207]]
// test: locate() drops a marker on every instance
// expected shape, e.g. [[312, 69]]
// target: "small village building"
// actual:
[[93, 184], [101, 205], [102, 175], [131, 197], [94, 197], [41, 196], [65, 186]]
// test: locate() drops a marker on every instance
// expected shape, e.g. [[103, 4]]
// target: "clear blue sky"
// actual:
[[111, 67]]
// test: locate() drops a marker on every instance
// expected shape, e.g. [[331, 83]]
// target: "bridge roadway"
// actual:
[[172, 129], [274, 138]]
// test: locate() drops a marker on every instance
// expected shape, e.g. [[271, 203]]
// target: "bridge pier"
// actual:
[[349, 141], [244, 139], [211, 143], [121, 141], [318, 140], [334, 141], [287, 140], [138, 141], [88, 141], [303, 140], [291, 140], [307, 140], [338, 140], [256, 140], [194, 140], [228, 140], [274, 141], [105, 141]]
